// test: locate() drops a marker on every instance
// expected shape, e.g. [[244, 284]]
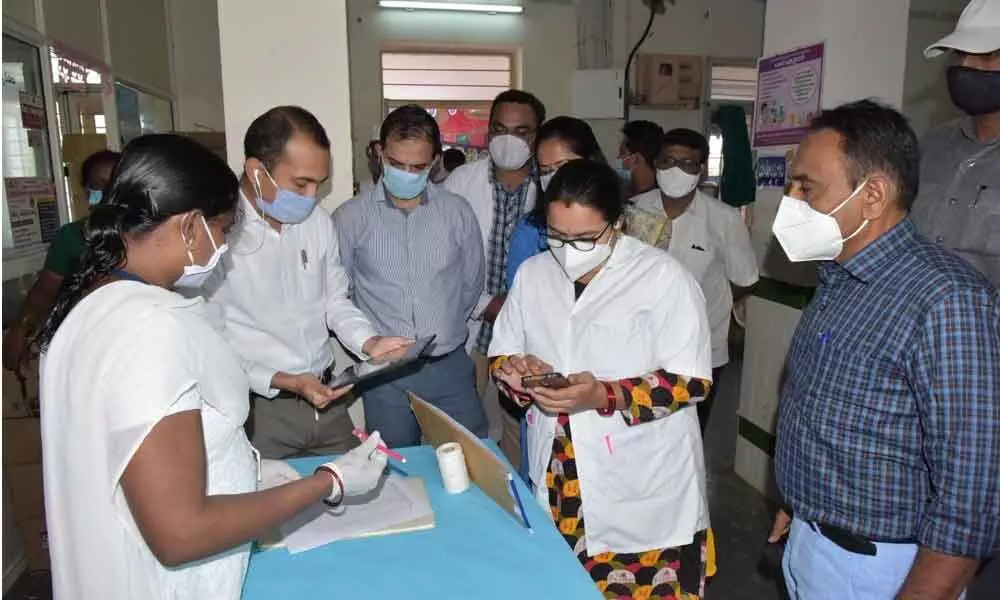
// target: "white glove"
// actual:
[[360, 469]]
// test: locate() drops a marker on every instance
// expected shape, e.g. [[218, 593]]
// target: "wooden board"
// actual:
[[485, 468]]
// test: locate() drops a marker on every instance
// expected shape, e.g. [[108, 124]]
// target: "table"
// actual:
[[476, 550]]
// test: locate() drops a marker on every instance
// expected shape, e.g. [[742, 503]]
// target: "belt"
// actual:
[[325, 377], [845, 539]]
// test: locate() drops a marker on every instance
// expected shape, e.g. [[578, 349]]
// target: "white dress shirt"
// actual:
[[713, 242], [280, 293]]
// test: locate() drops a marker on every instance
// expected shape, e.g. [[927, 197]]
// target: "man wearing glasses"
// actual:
[[705, 235], [501, 189]]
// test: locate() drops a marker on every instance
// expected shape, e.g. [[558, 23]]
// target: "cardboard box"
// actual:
[[27, 499], [670, 81], [20, 394], [22, 442], [36, 543]]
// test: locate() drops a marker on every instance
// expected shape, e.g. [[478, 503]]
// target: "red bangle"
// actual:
[[337, 480], [608, 410]]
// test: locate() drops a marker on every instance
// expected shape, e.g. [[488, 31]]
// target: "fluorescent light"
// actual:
[[453, 6]]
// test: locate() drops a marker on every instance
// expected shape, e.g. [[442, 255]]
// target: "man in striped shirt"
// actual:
[[414, 253]]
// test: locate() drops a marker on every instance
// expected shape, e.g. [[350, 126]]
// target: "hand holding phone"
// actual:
[[556, 381]]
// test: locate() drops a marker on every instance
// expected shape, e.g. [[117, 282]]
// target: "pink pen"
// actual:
[[361, 435]]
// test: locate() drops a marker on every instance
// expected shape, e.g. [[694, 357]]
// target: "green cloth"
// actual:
[[66, 249], [737, 186]]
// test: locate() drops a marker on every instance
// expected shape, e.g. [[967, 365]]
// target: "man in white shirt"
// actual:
[[501, 189], [705, 235], [282, 288]]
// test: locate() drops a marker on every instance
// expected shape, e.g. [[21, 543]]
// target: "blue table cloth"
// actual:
[[476, 550]]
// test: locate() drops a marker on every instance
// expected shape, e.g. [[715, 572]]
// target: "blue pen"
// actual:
[[517, 498]]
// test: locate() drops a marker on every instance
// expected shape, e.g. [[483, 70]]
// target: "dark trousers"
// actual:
[[705, 406]]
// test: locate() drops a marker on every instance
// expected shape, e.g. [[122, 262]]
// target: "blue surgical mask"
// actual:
[[623, 173], [404, 184], [287, 207], [94, 197], [196, 275]]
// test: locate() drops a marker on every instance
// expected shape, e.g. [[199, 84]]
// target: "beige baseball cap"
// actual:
[[977, 31]]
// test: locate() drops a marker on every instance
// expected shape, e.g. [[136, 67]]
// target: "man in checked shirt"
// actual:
[[888, 445]]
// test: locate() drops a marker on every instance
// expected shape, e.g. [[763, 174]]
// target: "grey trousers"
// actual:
[[287, 427]]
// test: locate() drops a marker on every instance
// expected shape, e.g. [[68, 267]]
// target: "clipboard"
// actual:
[[485, 468]]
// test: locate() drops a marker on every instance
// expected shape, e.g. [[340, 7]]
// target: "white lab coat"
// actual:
[[472, 182], [126, 357], [642, 487]]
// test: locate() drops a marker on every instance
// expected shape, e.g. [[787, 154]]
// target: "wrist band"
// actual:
[[339, 485], [608, 410], [497, 362]]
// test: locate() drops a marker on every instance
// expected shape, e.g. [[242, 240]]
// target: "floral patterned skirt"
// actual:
[[658, 574]]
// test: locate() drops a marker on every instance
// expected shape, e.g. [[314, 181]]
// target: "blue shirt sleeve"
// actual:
[[525, 242]]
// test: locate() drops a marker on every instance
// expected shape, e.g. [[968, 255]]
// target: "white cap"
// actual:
[[977, 31]]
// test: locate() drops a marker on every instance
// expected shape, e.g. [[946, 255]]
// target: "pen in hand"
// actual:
[[361, 435]]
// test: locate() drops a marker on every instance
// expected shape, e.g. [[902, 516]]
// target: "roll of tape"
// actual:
[[451, 462]]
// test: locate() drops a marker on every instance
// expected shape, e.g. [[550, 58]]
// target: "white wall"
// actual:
[[545, 34], [719, 29], [925, 92], [194, 28], [295, 55]]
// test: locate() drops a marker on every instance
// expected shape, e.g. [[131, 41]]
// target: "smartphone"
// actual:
[[549, 380]]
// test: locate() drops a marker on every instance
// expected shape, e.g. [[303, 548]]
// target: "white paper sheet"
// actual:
[[395, 502]]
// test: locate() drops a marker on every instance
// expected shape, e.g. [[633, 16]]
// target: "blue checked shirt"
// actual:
[[889, 420], [508, 208]]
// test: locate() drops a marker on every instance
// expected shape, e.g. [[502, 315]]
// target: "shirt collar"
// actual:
[[877, 257], [968, 127]]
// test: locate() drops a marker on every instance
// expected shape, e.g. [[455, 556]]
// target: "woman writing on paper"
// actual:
[[617, 454], [149, 478]]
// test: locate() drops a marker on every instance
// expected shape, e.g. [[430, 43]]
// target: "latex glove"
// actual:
[[360, 469]]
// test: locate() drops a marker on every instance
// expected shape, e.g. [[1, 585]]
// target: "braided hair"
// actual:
[[158, 177]]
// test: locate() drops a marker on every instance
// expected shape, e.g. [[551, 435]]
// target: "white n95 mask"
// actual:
[[675, 182], [577, 263], [196, 275], [807, 234], [509, 152]]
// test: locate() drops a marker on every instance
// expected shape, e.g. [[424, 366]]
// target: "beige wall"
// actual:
[[296, 55], [77, 24], [22, 11], [194, 27], [545, 35], [138, 35]]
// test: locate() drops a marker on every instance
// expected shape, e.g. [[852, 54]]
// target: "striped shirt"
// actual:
[[889, 419], [413, 273]]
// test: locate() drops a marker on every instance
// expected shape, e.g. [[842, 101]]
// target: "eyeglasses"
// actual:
[[686, 164], [581, 244]]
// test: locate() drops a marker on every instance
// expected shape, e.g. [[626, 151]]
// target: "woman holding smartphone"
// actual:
[[149, 478], [614, 448]]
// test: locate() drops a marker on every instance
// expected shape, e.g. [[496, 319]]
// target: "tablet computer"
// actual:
[[384, 366]]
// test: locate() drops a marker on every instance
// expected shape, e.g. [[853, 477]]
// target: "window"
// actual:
[[30, 209], [140, 113], [731, 84], [418, 77], [456, 89]]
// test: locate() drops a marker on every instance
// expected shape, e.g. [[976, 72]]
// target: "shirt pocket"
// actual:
[[697, 257], [652, 460], [862, 400], [312, 281], [983, 226]]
